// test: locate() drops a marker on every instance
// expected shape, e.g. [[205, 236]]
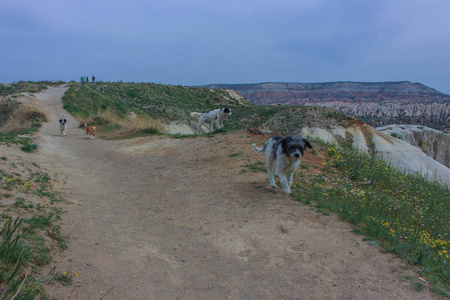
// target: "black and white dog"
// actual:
[[63, 125], [217, 116], [283, 158]]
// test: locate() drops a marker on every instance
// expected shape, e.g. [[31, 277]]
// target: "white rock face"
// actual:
[[400, 153], [434, 143], [175, 128]]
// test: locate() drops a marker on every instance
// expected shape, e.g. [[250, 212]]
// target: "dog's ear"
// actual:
[[307, 143]]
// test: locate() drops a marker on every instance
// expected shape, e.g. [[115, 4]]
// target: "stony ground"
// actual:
[[161, 218]]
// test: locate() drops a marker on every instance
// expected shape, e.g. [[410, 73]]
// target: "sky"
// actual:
[[200, 42]]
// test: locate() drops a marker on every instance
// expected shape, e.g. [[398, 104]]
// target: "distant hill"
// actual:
[[377, 103]]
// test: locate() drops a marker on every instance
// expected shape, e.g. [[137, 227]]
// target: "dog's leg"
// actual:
[[284, 182], [294, 168], [218, 125], [270, 171], [291, 178], [282, 170], [211, 127], [200, 123]]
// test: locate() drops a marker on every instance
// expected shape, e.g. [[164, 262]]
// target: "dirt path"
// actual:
[[158, 218]]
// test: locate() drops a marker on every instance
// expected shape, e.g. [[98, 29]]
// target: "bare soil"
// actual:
[[162, 218]]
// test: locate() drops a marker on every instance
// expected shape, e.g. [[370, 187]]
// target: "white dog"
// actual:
[[217, 116], [63, 125], [283, 158]]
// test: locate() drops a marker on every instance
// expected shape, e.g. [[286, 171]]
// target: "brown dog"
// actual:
[[90, 131]]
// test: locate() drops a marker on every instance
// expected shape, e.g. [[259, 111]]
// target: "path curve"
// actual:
[[158, 218]]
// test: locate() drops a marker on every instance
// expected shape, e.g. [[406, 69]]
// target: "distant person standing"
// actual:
[[93, 78], [87, 78]]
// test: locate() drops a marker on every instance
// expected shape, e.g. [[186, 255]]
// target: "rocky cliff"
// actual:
[[432, 114], [435, 143], [377, 103], [398, 152]]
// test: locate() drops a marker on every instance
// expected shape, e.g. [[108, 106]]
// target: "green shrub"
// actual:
[[29, 147]]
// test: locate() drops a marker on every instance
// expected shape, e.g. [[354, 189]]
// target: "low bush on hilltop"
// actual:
[[26, 87]]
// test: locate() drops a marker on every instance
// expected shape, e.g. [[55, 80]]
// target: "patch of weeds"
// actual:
[[42, 221], [20, 203], [236, 154], [55, 234], [41, 256], [259, 166], [305, 166], [272, 191], [64, 278], [417, 286], [4, 215], [150, 131], [438, 290], [181, 136], [373, 243], [322, 212], [357, 230], [14, 255], [29, 147]]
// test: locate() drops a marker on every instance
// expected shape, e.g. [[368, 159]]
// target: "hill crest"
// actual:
[[377, 103]]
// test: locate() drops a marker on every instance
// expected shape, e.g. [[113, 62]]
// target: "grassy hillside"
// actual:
[[174, 103], [405, 214]]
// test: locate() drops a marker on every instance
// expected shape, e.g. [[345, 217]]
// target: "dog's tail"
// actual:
[[257, 149], [64, 116], [196, 115]]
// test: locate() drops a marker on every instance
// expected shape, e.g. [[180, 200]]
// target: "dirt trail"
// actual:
[[158, 218]]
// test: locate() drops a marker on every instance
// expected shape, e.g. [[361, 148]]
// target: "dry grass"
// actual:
[[24, 119], [113, 126]]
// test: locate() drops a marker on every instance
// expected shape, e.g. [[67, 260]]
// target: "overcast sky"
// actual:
[[196, 42]]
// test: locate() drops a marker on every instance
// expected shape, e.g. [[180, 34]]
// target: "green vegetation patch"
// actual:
[[26, 87], [29, 212], [17, 120], [406, 213]]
